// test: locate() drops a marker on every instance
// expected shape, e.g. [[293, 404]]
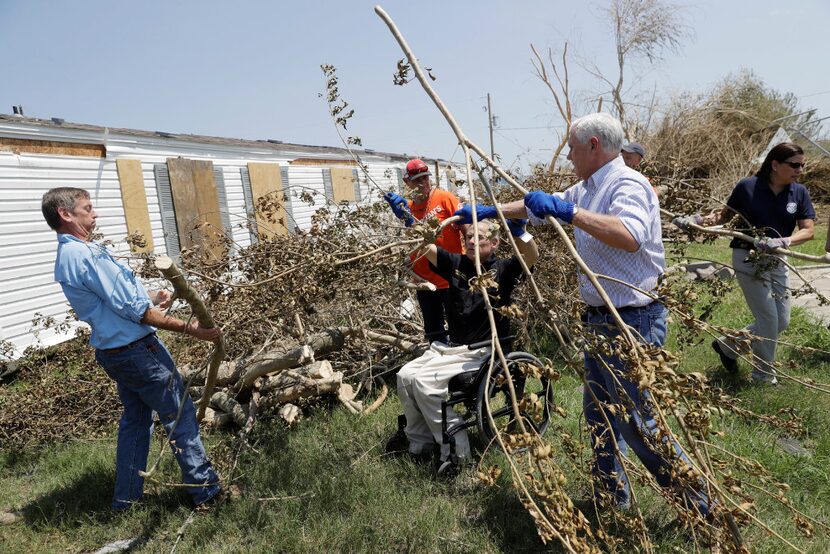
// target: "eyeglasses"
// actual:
[[795, 165]]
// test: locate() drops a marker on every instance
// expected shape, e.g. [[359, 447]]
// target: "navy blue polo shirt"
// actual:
[[776, 214]]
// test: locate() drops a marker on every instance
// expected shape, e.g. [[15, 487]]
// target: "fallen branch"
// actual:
[[184, 291], [737, 234], [384, 392]]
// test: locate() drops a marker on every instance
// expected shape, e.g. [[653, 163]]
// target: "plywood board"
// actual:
[[134, 200], [322, 162], [22, 146], [207, 199], [342, 185], [266, 182], [196, 203]]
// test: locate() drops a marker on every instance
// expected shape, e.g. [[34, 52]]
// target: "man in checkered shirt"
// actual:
[[616, 219]]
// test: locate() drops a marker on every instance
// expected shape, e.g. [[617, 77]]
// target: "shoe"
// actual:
[[593, 507], [214, 501], [728, 363], [397, 444], [764, 378]]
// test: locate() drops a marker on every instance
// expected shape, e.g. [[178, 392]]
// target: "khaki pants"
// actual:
[[769, 300], [422, 386]]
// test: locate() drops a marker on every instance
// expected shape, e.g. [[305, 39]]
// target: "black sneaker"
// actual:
[[397, 444], [728, 363]]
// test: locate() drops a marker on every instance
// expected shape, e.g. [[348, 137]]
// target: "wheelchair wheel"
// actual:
[[524, 369]]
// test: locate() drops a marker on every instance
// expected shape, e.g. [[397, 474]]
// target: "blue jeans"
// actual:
[[148, 382], [634, 428]]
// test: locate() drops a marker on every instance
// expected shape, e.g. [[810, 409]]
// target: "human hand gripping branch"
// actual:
[[710, 225]]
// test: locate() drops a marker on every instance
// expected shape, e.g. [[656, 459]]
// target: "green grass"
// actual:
[[325, 485]]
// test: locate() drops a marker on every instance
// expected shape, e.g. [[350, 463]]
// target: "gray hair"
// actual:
[[61, 197], [605, 127], [492, 231]]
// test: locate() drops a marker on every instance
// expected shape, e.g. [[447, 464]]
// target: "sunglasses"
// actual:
[[795, 165]]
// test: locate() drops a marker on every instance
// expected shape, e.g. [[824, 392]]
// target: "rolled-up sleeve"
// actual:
[[117, 288], [631, 204]]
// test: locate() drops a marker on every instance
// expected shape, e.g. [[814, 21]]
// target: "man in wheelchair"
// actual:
[[423, 382]]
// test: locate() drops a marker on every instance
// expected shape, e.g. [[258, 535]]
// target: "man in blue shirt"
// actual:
[[123, 317]]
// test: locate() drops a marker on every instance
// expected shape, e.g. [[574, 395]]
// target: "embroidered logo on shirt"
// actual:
[[791, 207]]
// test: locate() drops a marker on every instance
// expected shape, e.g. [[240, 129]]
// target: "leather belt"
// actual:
[[120, 349], [605, 311]]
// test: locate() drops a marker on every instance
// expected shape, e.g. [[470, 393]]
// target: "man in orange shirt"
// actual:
[[427, 203]]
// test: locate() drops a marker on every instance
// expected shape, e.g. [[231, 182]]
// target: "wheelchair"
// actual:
[[534, 397]]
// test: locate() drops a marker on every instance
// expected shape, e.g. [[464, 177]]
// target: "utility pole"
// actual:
[[492, 150]]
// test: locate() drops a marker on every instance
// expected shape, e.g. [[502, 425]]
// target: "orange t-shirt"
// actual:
[[441, 204]]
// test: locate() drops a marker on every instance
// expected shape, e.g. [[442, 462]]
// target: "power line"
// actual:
[[522, 128], [815, 94]]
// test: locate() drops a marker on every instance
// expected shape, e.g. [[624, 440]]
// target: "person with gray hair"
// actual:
[[633, 154], [616, 219], [123, 318]]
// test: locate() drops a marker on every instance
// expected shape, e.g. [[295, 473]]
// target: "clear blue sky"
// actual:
[[250, 69]]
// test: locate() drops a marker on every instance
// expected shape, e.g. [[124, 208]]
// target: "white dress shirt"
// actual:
[[616, 189]]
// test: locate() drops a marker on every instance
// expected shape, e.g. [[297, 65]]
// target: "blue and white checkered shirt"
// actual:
[[615, 189]]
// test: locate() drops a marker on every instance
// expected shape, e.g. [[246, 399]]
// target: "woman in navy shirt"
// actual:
[[771, 206]]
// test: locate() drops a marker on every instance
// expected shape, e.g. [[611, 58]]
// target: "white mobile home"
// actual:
[[152, 182]]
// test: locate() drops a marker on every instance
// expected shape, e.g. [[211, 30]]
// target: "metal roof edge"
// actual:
[[96, 134]]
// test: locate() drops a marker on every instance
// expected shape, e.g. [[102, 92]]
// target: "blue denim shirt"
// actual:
[[103, 293]]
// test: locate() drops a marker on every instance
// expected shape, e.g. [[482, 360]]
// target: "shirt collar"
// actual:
[[66, 237], [767, 187], [600, 174]]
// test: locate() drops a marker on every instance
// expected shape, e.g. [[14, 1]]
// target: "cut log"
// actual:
[[252, 407], [217, 419], [184, 291], [346, 396], [294, 386], [316, 371], [227, 374], [277, 360], [329, 340], [290, 413], [234, 409]]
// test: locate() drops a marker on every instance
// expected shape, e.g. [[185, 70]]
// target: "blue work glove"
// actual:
[[683, 222], [541, 204], [482, 211], [399, 207], [768, 244], [517, 227]]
